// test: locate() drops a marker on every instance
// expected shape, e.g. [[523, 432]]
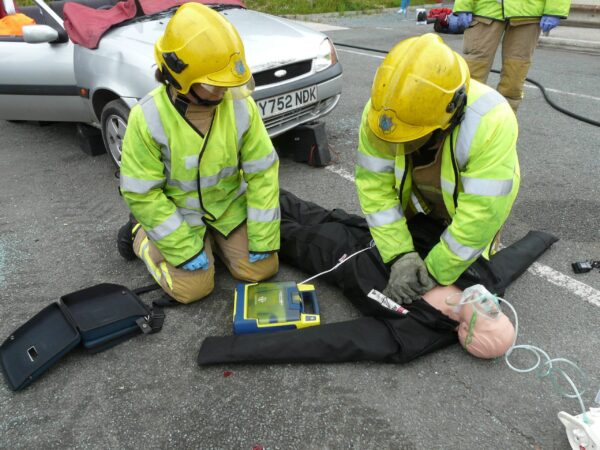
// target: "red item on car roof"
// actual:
[[86, 26]]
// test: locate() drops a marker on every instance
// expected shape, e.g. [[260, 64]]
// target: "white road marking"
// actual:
[[527, 85], [341, 172], [358, 53], [557, 91], [587, 293]]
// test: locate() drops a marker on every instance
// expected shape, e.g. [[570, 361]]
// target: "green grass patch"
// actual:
[[291, 7], [283, 7]]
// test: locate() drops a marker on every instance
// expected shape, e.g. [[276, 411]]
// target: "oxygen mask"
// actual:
[[481, 301]]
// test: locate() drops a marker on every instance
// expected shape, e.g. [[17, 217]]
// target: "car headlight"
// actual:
[[326, 56]]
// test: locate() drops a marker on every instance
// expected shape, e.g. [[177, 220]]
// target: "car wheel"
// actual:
[[114, 123]]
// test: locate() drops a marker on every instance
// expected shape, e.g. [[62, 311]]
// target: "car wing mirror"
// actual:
[[36, 34]]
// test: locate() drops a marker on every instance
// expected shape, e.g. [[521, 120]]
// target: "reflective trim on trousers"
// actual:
[[469, 125], [374, 164], [242, 119], [464, 252], [264, 215], [386, 217], [155, 271], [161, 231], [213, 180], [137, 185], [258, 165], [487, 187]]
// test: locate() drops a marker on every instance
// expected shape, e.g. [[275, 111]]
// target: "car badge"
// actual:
[[280, 73], [385, 123], [240, 69]]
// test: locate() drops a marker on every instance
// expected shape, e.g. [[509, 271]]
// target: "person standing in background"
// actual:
[[517, 23]]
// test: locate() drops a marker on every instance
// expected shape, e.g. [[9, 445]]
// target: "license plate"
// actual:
[[287, 102]]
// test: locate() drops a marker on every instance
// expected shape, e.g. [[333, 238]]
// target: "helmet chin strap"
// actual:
[[204, 102]]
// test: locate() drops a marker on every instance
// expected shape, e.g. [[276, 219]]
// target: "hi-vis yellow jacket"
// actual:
[[479, 180], [514, 9], [177, 182]]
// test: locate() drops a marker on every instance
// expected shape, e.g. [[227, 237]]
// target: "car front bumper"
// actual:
[[329, 88]]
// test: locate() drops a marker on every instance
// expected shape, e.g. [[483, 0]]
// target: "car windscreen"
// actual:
[[166, 14]]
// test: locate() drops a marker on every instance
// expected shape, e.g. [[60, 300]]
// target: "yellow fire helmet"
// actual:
[[200, 46], [417, 89]]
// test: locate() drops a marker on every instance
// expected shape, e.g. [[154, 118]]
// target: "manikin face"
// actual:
[[484, 335]]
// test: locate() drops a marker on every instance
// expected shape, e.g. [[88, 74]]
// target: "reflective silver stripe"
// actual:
[[241, 189], [399, 173], [386, 217], [416, 203], [192, 202], [167, 170], [264, 215], [191, 162], [490, 188], [258, 165], [185, 186], [155, 126], [193, 218], [374, 164], [242, 119], [166, 228], [462, 251], [469, 125], [214, 179], [138, 186], [447, 186]]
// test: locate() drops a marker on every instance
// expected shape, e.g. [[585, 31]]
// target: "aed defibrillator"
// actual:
[[274, 306]]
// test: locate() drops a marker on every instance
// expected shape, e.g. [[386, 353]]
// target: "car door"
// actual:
[[37, 81]]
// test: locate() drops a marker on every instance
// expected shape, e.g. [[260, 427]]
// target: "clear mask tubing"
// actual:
[[488, 306]]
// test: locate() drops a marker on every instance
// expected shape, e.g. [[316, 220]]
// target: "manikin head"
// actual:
[[483, 330]]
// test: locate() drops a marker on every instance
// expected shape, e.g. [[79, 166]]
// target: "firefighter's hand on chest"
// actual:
[[409, 279]]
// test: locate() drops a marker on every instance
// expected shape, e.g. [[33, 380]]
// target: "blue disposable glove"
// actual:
[[464, 19], [199, 262], [253, 257], [548, 22]]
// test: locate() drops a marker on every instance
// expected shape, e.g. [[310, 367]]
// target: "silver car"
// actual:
[[46, 77]]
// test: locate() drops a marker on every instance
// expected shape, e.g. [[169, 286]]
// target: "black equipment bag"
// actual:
[[313, 239], [98, 317]]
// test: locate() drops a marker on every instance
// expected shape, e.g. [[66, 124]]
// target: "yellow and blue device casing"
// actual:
[[274, 306]]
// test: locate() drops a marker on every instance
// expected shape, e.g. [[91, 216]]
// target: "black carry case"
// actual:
[[97, 317]]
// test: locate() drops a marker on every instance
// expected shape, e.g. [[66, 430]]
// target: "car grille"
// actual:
[[293, 70], [272, 122]]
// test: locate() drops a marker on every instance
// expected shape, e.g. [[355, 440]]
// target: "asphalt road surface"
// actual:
[[60, 212]]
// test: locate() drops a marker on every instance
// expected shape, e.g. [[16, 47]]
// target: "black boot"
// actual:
[[125, 239]]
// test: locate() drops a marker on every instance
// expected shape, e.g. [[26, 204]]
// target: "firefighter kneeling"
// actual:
[[198, 170], [432, 141]]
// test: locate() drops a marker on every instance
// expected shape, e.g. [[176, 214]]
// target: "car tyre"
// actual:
[[114, 124]]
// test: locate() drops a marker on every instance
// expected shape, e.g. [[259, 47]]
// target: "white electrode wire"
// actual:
[[342, 260], [546, 369]]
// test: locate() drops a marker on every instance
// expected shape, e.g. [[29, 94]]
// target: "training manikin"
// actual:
[[314, 239]]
